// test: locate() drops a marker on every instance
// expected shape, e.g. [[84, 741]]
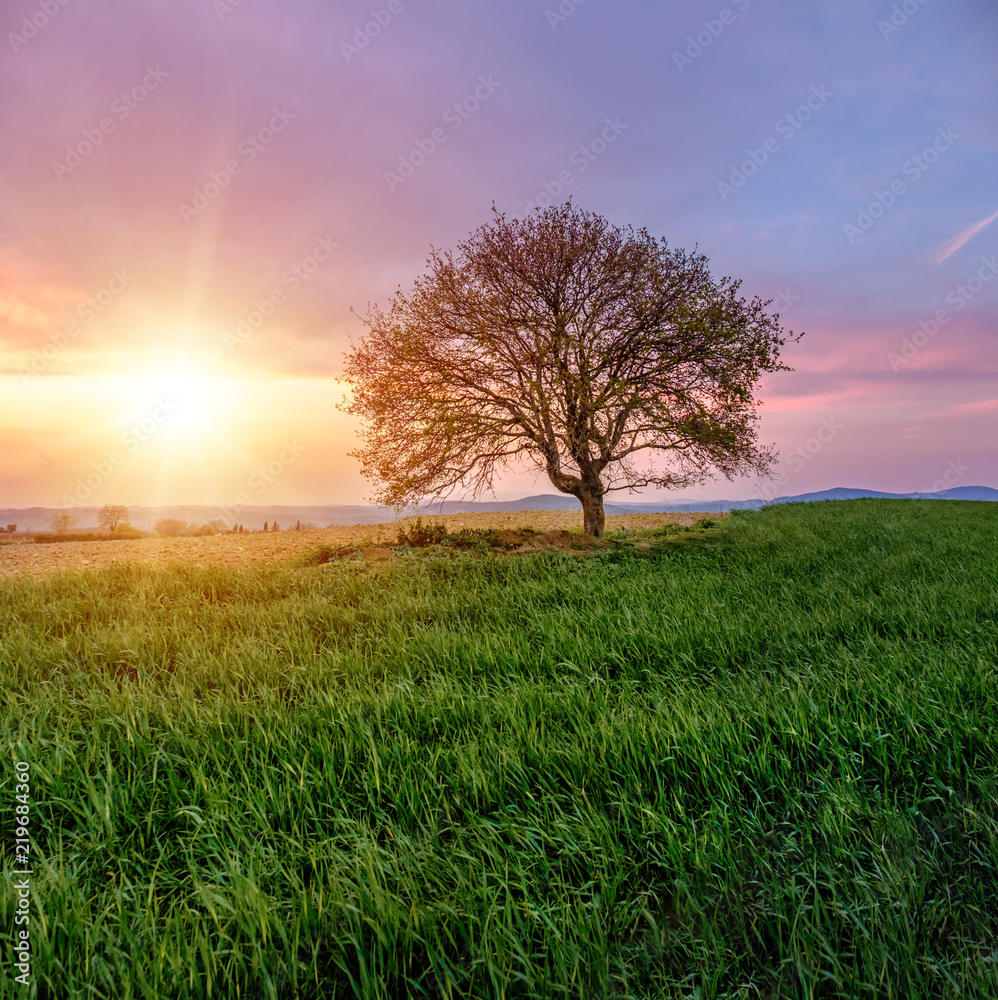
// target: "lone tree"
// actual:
[[570, 343], [111, 515], [62, 524]]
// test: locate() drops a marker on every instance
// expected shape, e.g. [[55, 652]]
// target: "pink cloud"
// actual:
[[950, 247], [967, 409]]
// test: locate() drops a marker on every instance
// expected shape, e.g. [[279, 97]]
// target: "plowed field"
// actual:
[[267, 547]]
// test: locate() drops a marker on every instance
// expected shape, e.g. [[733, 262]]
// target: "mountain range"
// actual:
[[253, 517]]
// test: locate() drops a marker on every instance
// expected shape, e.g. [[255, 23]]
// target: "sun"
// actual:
[[177, 403]]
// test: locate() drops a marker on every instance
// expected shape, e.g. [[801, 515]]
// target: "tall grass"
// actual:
[[750, 762]]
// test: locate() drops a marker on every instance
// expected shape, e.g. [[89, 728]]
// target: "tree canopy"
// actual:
[[568, 343], [111, 515], [62, 523]]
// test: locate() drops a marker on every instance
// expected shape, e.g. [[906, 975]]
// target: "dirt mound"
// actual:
[[549, 540], [512, 539], [563, 540]]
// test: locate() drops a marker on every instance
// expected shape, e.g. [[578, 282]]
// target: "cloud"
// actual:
[[967, 409], [950, 247]]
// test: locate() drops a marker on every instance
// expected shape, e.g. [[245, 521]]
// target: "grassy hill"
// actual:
[[749, 761]]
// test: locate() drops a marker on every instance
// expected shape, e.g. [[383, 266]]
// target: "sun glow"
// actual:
[[153, 431], [180, 404]]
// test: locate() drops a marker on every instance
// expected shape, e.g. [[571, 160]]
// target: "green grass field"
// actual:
[[754, 761]]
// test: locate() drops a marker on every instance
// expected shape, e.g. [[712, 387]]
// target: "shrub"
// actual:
[[421, 536], [124, 530], [210, 528], [669, 529], [481, 540], [170, 526]]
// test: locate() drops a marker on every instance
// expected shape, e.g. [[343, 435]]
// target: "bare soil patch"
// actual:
[[550, 540], [247, 549]]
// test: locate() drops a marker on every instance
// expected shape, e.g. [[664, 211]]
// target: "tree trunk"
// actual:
[[593, 518]]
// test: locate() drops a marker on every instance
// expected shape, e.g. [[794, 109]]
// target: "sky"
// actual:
[[199, 199]]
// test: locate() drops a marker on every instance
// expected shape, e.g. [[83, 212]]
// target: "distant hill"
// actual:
[[841, 493], [253, 518]]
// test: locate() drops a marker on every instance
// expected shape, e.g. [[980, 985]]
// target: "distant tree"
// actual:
[[276, 527], [214, 527], [298, 525], [265, 528], [170, 527], [568, 343], [240, 529], [63, 523], [111, 515]]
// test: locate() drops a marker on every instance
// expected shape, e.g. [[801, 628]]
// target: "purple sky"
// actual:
[[188, 166]]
